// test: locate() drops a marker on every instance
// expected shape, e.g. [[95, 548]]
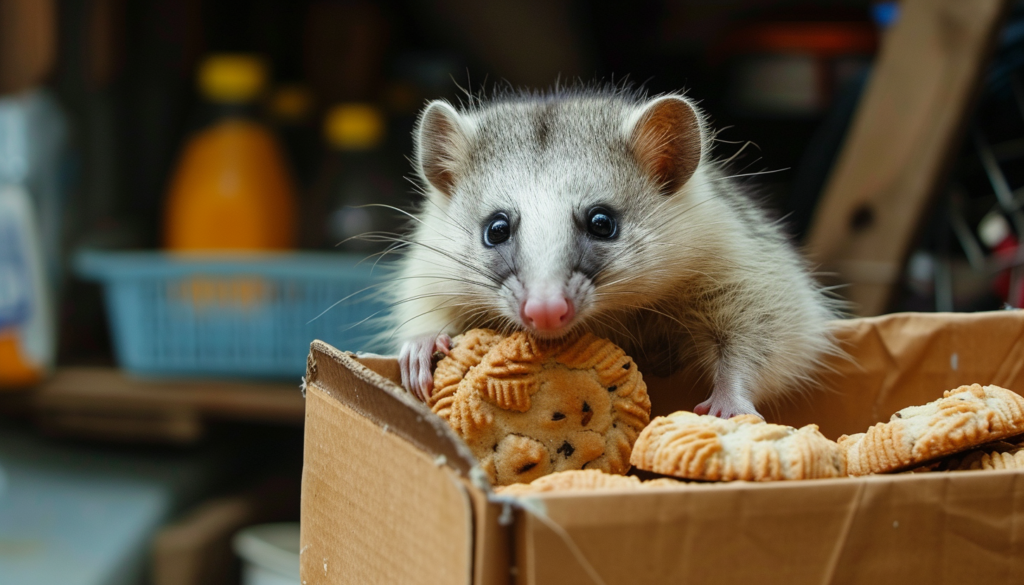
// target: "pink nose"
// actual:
[[547, 314]]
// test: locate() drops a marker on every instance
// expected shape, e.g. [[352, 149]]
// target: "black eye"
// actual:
[[601, 224], [497, 231]]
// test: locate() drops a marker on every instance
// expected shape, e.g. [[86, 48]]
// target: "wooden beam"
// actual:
[[905, 134]]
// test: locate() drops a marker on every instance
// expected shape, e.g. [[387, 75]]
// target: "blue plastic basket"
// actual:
[[248, 316]]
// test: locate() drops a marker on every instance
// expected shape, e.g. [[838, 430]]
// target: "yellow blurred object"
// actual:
[[354, 126], [231, 78], [291, 103]]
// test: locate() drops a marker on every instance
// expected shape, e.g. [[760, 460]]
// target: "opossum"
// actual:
[[603, 210]]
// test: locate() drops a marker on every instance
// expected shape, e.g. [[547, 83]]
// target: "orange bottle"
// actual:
[[232, 189]]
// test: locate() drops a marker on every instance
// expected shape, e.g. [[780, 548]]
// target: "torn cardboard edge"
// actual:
[[391, 408], [383, 492]]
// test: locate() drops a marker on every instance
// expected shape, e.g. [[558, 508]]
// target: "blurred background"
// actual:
[[181, 181]]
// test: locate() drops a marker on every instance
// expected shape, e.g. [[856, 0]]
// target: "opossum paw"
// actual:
[[726, 406], [415, 361]]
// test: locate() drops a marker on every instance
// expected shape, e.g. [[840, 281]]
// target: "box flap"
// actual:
[[907, 529], [385, 403], [375, 508], [368, 385]]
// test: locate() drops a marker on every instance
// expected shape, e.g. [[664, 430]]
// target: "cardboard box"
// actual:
[[387, 494]]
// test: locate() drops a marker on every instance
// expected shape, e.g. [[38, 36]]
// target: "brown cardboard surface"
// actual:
[[493, 542], [375, 508], [910, 358], [373, 491], [906, 529], [382, 401]]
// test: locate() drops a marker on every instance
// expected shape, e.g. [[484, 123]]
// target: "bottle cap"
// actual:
[[232, 78], [354, 126]]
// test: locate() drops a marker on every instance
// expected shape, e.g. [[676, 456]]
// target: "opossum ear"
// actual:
[[666, 138], [442, 143]]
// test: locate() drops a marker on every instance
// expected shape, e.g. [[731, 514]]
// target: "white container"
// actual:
[[27, 329], [33, 189], [269, 553]]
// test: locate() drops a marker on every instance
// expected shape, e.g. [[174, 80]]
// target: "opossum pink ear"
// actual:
[[441, 145], [666, 140]]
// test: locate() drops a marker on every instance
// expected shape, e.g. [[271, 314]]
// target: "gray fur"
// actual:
[[702, 271]]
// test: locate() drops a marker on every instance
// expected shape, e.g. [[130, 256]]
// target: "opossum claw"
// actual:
[[726, 402], [414, 361]]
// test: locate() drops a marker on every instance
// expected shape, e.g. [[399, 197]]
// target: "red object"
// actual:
[[821, 39], [1006, 250]]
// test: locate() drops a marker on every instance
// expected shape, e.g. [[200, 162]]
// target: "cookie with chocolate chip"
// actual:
[[529, 407], [962, 419]]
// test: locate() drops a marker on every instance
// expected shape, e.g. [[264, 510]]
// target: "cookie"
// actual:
[[1000, 455], [583, 480], [468, 350], [702, 447], [573, 480], [963, 418], [529, 407], [995, 460]]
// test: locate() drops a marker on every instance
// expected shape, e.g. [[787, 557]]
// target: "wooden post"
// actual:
[[907, 129]]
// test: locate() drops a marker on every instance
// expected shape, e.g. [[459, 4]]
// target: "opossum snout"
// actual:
[[547, 313]]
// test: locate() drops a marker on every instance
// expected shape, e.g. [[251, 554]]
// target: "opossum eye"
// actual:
[[601, 224], [497, 231]]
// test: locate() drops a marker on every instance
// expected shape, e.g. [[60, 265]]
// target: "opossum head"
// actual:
[[546, 212]]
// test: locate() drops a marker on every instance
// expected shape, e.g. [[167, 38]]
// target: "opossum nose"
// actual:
[[547, 314]]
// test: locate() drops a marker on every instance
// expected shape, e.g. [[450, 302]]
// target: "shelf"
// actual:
[[106, 403]]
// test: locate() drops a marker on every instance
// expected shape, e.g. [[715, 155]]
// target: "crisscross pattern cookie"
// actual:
[[962, 419], [529, 407], [743, 447]]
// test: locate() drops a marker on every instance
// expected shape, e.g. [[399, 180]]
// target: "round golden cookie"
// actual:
[[695, 446], [529, 407], [963, 418], [583, 480]]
